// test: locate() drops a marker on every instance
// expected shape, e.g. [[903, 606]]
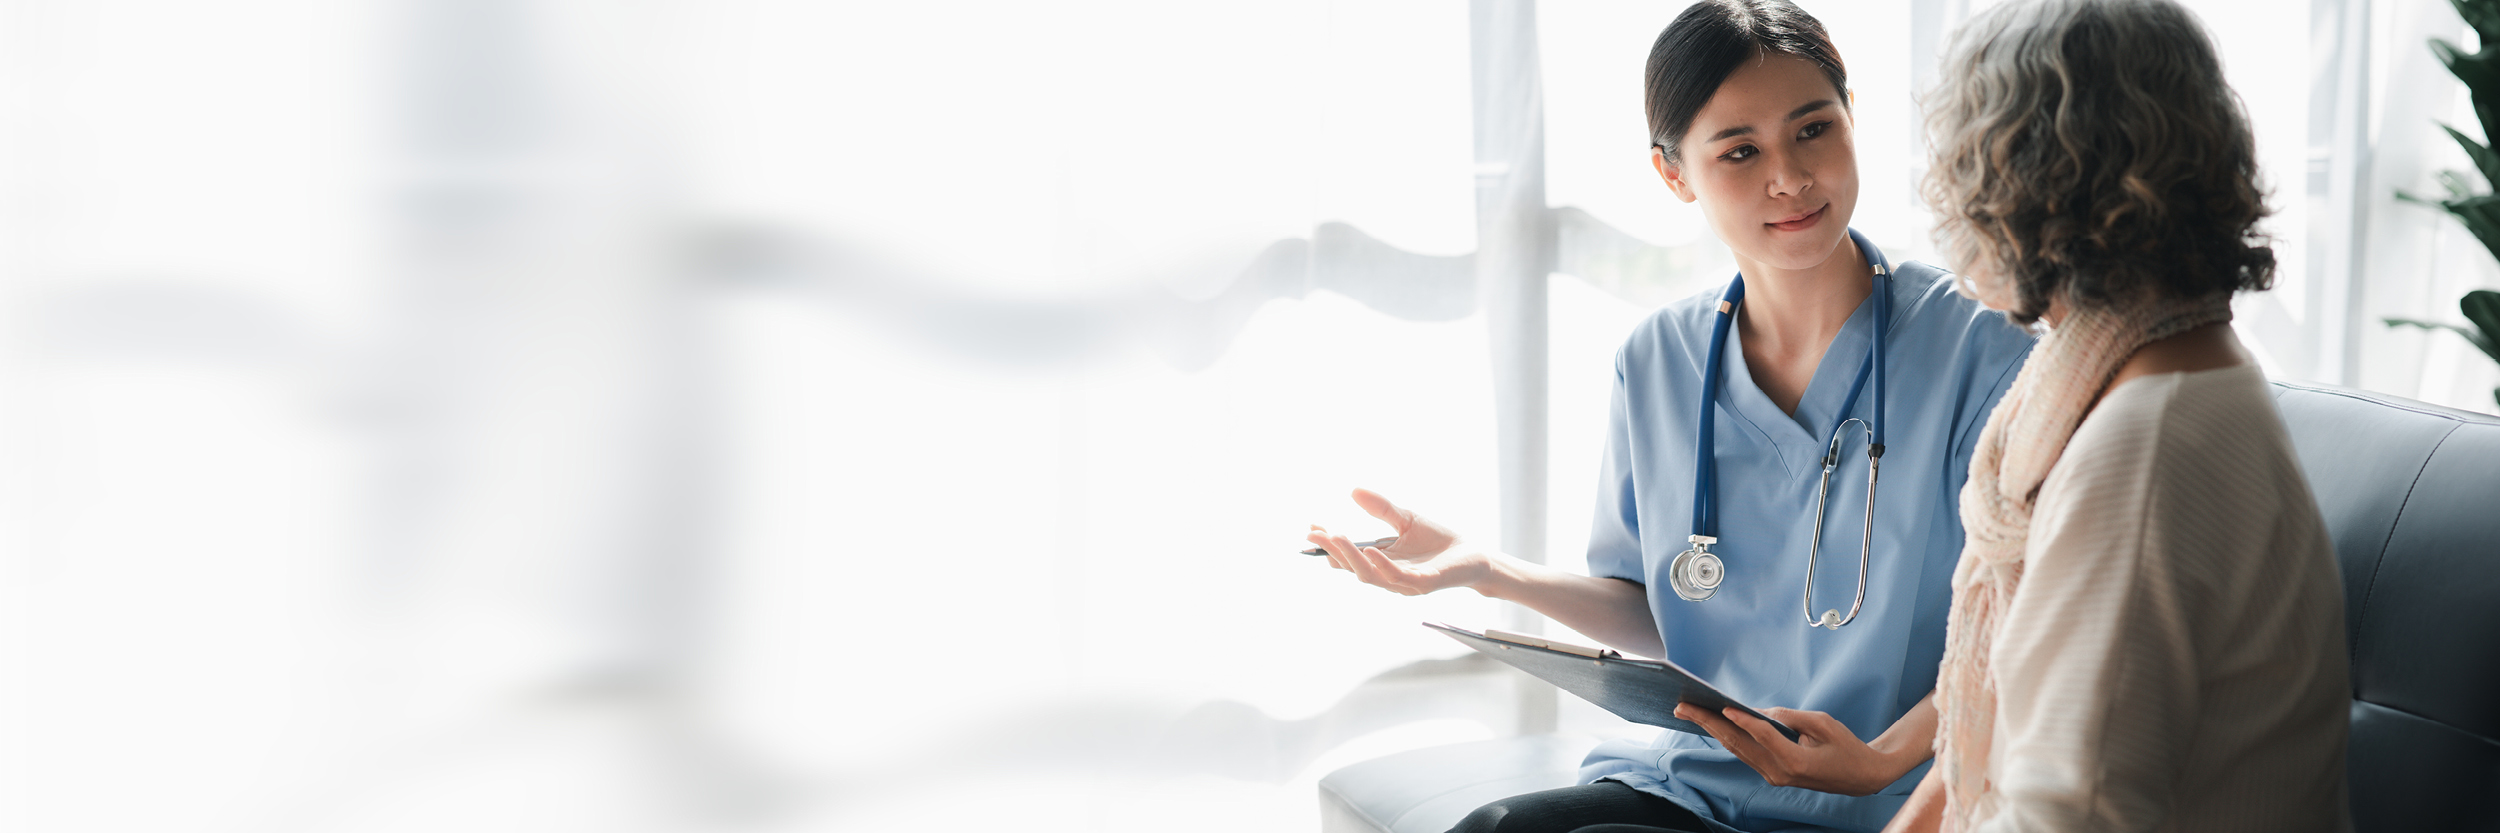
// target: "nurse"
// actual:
[[1749, 115]]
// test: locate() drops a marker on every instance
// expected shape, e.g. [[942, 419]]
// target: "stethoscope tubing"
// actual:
[[1814, 554], [1706, 466]]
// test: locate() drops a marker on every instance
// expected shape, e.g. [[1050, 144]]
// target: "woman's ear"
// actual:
[[1673, 175]]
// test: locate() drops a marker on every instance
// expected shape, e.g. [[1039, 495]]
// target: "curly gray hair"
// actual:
[[2090, 150]]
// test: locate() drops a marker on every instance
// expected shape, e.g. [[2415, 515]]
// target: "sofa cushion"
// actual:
[[1428, 790], [2411, 495]]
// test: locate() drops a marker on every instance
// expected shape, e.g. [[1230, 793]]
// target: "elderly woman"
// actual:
[[2147, 631]]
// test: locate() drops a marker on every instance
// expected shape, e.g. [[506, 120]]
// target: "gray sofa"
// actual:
[[2411, 494]]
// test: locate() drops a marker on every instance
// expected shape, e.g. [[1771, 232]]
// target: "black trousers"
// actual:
[[1602, 807]]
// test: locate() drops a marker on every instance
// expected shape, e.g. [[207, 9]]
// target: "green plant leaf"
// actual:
[[2455, 182], [2479, 341], [2483, 15], [2482, 306], [2484, 159], [2481, 216], [2481, 73]]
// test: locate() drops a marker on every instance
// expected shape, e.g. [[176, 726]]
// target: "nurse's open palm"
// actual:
[[1424, 559]]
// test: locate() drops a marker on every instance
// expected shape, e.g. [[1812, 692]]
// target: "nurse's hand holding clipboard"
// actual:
[[1826, 756]]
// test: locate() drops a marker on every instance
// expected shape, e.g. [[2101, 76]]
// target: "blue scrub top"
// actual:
[[1947, 361]]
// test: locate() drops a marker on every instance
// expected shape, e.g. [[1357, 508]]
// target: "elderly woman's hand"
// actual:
[[1924, 812]]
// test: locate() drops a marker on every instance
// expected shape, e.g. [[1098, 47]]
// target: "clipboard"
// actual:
[[1638, 690]]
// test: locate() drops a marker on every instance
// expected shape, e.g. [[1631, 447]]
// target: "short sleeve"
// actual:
[[1615, 533]]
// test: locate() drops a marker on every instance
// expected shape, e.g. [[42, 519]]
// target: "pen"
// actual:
[[1380, 544]]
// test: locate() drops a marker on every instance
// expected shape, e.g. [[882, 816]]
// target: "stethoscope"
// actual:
[[1697, 573]]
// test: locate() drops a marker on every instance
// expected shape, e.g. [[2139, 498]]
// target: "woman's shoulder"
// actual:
[[2193, 425], [2194, 468], [1676, 329], [1959, 346], [1926, 301], [2187, 399]]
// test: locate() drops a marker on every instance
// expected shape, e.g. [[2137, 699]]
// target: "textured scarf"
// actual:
[[2065, 375]]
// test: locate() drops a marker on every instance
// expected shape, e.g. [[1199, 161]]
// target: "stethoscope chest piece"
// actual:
[[1696, 573]]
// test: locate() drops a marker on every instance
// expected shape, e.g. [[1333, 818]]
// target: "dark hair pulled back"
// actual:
[[1705, 44]]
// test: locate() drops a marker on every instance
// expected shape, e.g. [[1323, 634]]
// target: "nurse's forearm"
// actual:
[[1609, 610]]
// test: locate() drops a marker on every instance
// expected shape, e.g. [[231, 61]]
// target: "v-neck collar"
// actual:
[[1815, 409]]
